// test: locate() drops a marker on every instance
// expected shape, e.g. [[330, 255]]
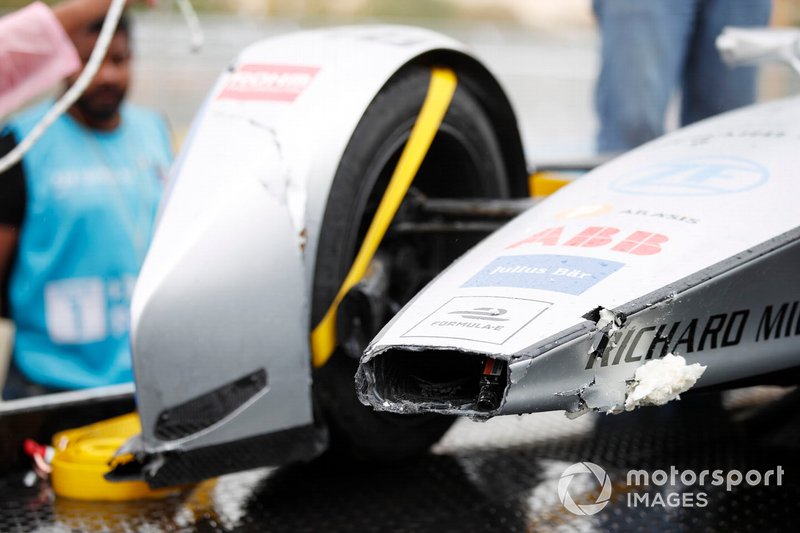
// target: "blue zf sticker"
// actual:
[[702, 176], [559, 273]]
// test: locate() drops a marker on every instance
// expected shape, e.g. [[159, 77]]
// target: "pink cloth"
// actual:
[[35, 54]]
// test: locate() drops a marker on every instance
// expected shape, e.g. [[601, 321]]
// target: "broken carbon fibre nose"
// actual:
[[608, 329], [653, 242], [491, 385], [441, 382]]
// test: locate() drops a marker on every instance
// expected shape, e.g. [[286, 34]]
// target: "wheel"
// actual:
[[465, 160]]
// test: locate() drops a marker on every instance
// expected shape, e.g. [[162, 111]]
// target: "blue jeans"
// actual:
[[651, 48]]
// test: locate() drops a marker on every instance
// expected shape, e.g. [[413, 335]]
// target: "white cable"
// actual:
[[195, 30], [95, 60], [793, 55], [74, 92]]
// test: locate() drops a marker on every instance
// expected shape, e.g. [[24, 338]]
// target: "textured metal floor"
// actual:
[[501, 475]]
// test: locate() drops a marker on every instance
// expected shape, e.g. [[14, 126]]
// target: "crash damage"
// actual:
[[683, 291]]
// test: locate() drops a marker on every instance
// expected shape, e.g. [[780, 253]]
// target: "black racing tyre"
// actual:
[[465, 160]]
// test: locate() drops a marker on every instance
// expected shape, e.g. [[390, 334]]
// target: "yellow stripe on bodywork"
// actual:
[[437, 101]]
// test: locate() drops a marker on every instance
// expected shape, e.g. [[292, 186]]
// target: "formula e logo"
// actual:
[[598, 476], [703, 176], [485, 319], [482, 313]]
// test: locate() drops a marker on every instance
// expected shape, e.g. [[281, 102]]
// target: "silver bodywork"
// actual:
[[690, 241], [221, 310], [224, 289]]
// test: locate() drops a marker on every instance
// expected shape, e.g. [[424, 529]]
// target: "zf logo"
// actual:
[[596, 475], [706, 176], [492, 314]]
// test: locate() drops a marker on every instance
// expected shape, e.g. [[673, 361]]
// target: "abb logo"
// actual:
[[268, 82], [637, 243]]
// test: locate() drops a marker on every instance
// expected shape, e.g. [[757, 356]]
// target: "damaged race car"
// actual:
[[329, 180]]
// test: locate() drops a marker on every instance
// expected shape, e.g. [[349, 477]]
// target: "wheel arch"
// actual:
[[491, 95], [285, 185]]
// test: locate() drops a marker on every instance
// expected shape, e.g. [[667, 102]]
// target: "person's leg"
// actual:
[[642, 52], [709, 86]]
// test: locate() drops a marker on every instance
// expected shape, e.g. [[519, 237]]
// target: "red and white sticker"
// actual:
[[282, 83]]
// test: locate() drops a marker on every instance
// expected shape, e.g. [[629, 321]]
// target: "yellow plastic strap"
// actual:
[[440, 93], [545, 183], [82, 457]]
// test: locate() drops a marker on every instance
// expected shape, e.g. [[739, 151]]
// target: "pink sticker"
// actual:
[[281, 83]]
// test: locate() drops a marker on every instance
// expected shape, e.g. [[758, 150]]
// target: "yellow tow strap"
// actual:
[[82, 457], [437, 101]]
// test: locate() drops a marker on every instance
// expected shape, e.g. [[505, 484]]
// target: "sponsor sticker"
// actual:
[[489, 319], [559, 273], [635, 243], [282, 83], [585, 211], [663, 215], [700, 176]]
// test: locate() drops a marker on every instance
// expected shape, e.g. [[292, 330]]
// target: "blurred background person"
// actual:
[[650, 48], [77, 216]]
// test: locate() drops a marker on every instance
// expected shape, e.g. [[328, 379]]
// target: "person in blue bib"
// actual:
[[76, 217]]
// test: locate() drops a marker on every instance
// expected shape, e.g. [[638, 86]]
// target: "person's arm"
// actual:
[[12, 213], [9, 238], [35, 47], [35, 54], [9, 235]]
